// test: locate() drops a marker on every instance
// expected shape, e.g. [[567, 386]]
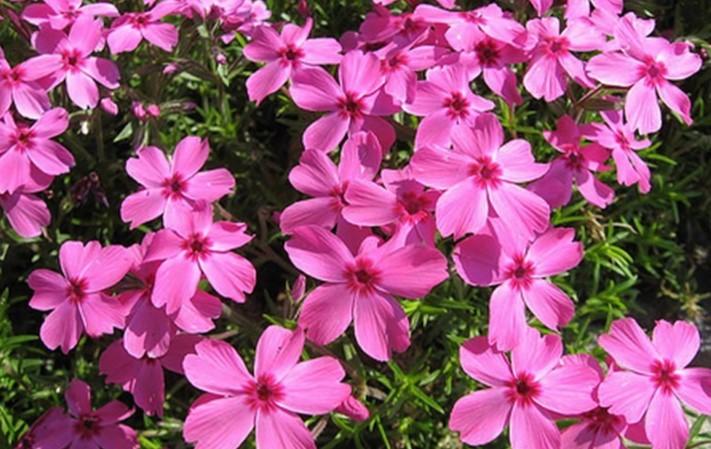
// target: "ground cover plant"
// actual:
[[338, 224]]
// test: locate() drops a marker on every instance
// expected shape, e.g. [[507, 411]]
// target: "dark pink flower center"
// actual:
[[71, 59], [70, 13], [338, 193], [76, 290], [622, 140], [291, 54], [488, 52], [394, 62], [457, 105], [523, 389], [139, 20], [13, 76], [520, 272], [174, 187], [556, 45], [264, 393], [351, 106], [600, 420], [473, 17], [574, 159], [361, 276], [87, 425], [412, 206], [23, 138], [197, 246], [486, 172], [653, 71], [664, 375]]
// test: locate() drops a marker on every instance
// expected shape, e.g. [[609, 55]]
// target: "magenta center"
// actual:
[[362, 275]]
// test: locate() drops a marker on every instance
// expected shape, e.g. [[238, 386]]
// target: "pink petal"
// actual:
[[679, 61], [231, 275], [200, 425], [50, 157], [477, 260], [318, 253], [435, 129], [678, 342], [515, 204], [556, 186], [50, 289], [321, 212], [210, 185], [568, 390], [326, 133], [461, 209], [429, 98], [314, 89], [103, 71], [30, 102], [517, 162], [101, 314], [440, 169], [555, 252], [264, 45], [15, 167], [27, 214], [545, 79], [148, 329], [641, 108], [108, 267], [531, 429], [593, 189], [480, 417], [150, 168], [142, 207], [626, 394], [149, 388], [549, 304], [278, 351], [279, 429], [411, 271], [483, 139], [695, 389], [116, 437], [227, 235], [370, 204], [326, 313], [322, 374], [162, 35], [176, 282], [267, 80], [52, 123], [85, 34], [316, 174], [360, 73], [113, 412], [614, 69], [78, 397], [676, 99], [507, 318], [43, 65], [124, 38], [381, 326], [665, 423], [216, 368], [165, 244], [189, 156], [63, 327], [503, 83], [484, 363], [321, 51], [627, 343], [181, 346], [82, 90], [536, 354], [196, 315], [74, 257]]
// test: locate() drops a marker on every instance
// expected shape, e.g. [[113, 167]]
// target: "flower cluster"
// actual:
[[373, 227]]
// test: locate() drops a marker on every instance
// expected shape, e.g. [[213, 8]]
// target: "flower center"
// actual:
[[139, 20], [520, 272], [174, 187], [457, 105], [654, 71], [486, 172], [523, 389], [351, 106], [71, 59], [600, 420], [87, 425], [557, 46], [291, 54], [488, 52], [197, 246], [573, 158], [412, 207], [76, 291], [338, 193], [473, 17], [394, 62], [622, 140], [264, 393], [361, 276], [23, 138], [665, 375]]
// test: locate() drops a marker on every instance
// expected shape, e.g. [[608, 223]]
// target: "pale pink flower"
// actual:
[[525, 391], [318, 177], [353, 104], [130, 29], [522, 271], [77, 297], [28, 151], [655, 379], [481, 176], [551, 58], [447, 103], [647, 64], [24, 210], [173, 186], [285, 53], [143, 376], [59, 14], [29, 97], [361, 288], [68, 58], [194, 246], [577, 165], [270, 400]]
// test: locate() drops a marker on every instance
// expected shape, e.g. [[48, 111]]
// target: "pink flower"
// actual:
[[236, 401], [318, 177], [69, 59], [25, 211], [130, 29], [525, 392], [577, 164], [194, 246], [479, 177], [59, 14], [619, 137], [173, 186], [285, 53], [353, 104], [77, 297], [30, 98], [361, 288], [354, 409], [521, 271], [88, 428], [447, 103], [399, 66], [143, 377], [27, 151], [647, 64], [551, 58], [654, 380]]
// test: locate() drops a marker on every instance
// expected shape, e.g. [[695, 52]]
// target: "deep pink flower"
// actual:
[[318, 177], [647, 64], [480, 176], [143, 377], [361, 288], [28, 151], [77, 297], [29, 97], [130, 29], [173, 186], [59, 14], [521, 271], [285, 53], [25, 211], [236, 401], [525, 392], [654, 380], [69, 59], [399, 65], [353, 104], [619, 137], [195, 246], [447, 103], [577, 164], [551, 58]]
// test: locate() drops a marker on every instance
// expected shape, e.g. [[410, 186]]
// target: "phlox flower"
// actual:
[[551, 57], [447, 103], [195, 246], [68, 59], [282, 387], [173, 186], [576, 9], [647, 64], [243, 16], [351, 105], [655, 380], [619, 137], [521, 271], [400, 64], [30, 99], [479, 177], [318, 177], [143, 377], [354, 409], [577, 165], [382, 26], [59, 14], [28, 151], [285, 53], [130, 29], [525, 391], [77, 297], [361, 287], [25, 211]]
